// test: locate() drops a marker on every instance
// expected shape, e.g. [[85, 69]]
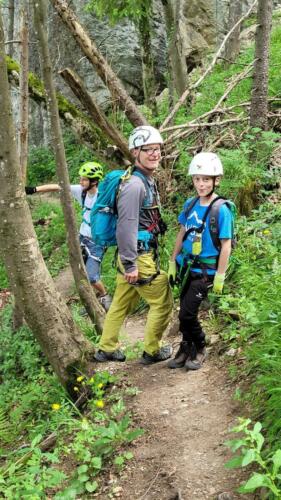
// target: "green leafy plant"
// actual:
[[250, 445]]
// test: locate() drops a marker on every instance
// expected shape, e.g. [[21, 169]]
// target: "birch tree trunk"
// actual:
[[259, 103], [44, 309], [83, 286], [110, 79]]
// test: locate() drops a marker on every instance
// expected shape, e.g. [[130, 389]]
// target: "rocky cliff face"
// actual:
[[200, 25]]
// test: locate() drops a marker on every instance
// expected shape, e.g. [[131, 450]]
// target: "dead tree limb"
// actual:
[[207, 71], [217, 108], [105, 72], [83, 286], [90, 105], [82, 127]]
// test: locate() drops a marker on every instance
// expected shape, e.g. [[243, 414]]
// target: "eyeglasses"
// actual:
[[151, 151]]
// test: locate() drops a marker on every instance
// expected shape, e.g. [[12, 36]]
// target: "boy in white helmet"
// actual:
[[201, 264], [86, 194], [139, 224]]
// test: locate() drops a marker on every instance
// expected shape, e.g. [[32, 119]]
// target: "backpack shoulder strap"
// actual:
[[83, 197], [214, 219], [190, 205]]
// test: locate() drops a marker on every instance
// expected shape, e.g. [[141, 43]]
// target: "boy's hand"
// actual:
[[218, 283], [172, 271]]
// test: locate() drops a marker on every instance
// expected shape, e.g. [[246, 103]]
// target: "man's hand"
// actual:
[[218, 283], [132, 277], [172, 271]]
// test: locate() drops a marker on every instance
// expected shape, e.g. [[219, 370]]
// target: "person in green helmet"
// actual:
[[86, 194]]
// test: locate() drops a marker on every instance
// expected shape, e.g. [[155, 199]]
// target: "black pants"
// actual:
[[194, 292]]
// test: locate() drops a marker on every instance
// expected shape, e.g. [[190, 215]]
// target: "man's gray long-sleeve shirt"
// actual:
[[129, 204]]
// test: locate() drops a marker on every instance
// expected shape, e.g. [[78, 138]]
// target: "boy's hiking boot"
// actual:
[[105, 301], [185, 352], [103, 356], [197, 362], [164, 353]]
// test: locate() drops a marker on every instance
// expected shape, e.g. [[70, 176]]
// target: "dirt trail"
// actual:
[[187, 417]]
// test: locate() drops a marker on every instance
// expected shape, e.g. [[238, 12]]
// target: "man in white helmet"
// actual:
[[139, 224], [200, 259]]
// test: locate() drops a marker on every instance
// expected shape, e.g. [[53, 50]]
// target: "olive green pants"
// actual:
[[158, 296]]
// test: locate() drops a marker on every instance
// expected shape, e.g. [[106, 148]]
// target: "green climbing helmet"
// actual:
[[91, 170]]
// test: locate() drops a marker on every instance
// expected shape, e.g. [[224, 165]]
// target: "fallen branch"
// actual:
[[78, 122], [90, 105], [208, 70]]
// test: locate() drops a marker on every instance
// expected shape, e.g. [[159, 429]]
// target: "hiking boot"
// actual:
[[164, 353], [197, 362], [105, 301], [184, 353], [103, 356]]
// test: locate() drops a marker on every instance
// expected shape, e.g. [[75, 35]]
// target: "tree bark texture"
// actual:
[[259, 103], [44, 309], [115, 86], [90, 105], [83, 286], [11, 26], [23, 132], [148, 74], [233, 43]]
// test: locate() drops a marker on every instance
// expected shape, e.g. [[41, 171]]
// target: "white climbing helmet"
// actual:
[[205, 164], [145, 134]]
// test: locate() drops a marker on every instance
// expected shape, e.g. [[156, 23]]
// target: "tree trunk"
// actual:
[[115, 86], [259, 104], [232, 46], [83, 286], [170, 26], [148, 75], [23, 133], [90, 105], [11, 26], [44, 309]]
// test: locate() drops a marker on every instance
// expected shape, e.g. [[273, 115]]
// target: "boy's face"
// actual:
[[204, 184], [84, 182]]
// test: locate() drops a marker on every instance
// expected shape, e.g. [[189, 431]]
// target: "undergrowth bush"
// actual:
[[255, 300], [33, 404]]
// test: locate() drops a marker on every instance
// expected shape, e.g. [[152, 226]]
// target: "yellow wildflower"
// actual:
[[266, 231], [56, 406], [99, 403], [100, 386], [75, 388], [79, 379]]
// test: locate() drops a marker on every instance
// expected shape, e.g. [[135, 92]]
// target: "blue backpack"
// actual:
[[104, 212]]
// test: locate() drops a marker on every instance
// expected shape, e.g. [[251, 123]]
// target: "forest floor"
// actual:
[[187, 417]]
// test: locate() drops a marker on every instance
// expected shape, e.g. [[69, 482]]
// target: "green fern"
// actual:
[[6, 434]]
